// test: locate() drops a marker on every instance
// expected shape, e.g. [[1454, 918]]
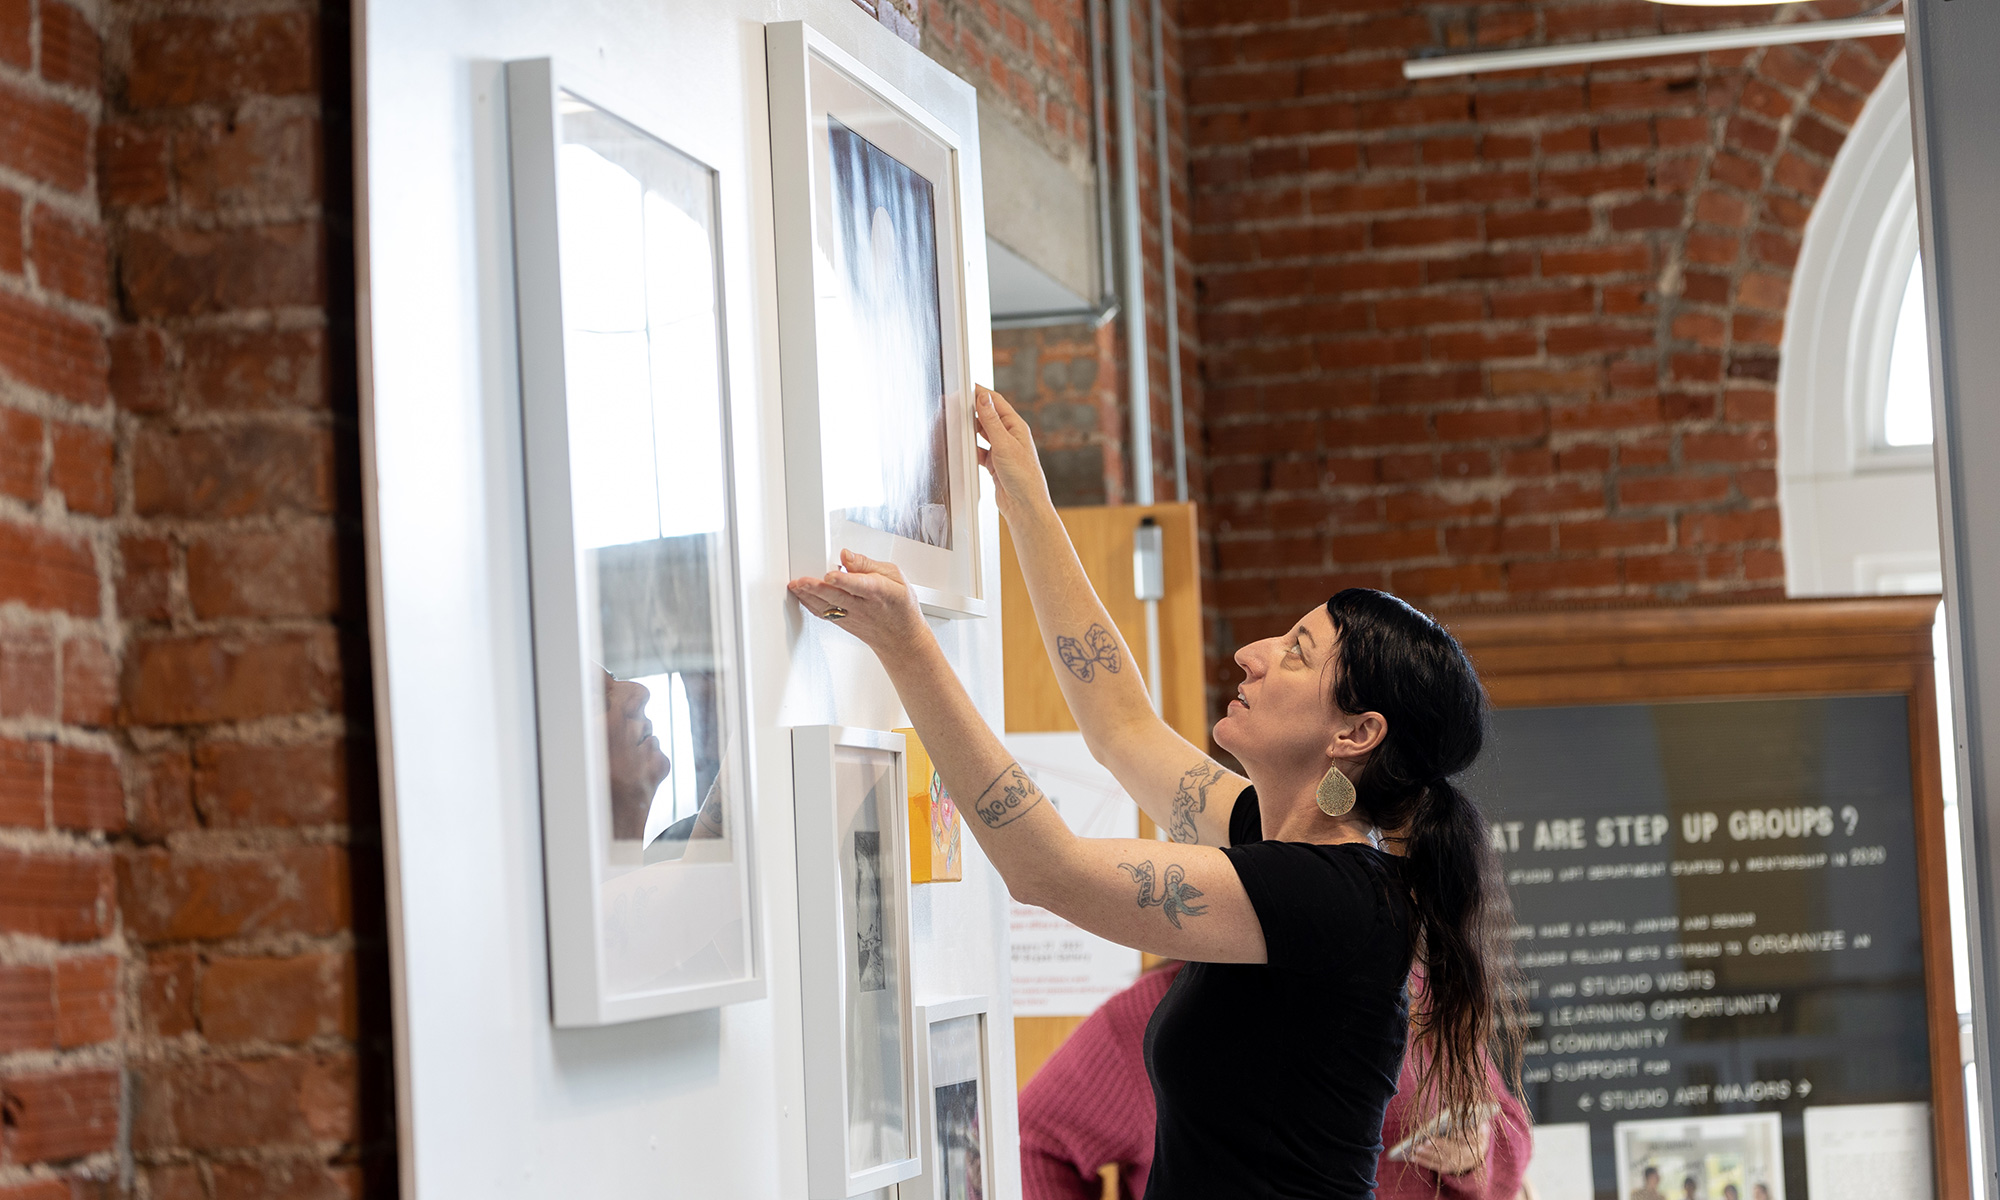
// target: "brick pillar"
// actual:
[[191, 983], [250, 884], [61, 801]]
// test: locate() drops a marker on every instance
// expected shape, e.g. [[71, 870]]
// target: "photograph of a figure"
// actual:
[[960, 1164], [1734, 1157], [874, 969], [888, 268]]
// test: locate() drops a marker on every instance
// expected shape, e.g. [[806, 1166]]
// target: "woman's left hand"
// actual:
[[881, 610]]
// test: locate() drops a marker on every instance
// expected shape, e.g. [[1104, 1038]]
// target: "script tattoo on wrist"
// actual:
[[1192, 798], [1176, 899], [1097, 649], [1008, 798]]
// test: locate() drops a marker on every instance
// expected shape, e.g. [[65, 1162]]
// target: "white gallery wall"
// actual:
[[494, 1101]]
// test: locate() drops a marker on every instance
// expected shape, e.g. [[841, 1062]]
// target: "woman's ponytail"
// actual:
[[1394, 660], [1469, 1002]]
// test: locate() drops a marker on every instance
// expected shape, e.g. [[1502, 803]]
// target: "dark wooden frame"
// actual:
[[1874, 646]]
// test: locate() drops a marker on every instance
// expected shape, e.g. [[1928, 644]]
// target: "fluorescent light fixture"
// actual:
[[1529, 58]]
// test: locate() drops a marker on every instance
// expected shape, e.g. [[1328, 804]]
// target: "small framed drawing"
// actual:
[[875, 357], [631, 558], [952, 1073], [863, 1122]]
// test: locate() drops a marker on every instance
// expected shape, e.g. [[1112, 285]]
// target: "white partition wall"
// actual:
[[494, 1100], [1955, 99]]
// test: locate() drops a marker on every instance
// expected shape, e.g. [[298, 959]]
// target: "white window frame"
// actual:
[[1851, 503]]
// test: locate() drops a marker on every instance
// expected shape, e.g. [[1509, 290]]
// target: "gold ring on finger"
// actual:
[[835, 613]]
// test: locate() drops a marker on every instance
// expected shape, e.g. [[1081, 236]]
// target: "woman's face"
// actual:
[[1282, 716]]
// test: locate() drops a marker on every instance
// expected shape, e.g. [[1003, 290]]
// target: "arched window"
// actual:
[[1854, 420]]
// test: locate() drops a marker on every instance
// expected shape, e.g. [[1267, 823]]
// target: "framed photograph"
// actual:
[[874, 348], [952, 1071], [1735, 1157], [863, 1122], [638, 676]]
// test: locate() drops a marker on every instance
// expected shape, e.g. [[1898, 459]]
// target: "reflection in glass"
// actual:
[[642, 345], [1906, 408], [866, 794]]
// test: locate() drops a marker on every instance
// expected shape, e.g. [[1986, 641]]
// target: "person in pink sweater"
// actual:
[[1090, 1106]]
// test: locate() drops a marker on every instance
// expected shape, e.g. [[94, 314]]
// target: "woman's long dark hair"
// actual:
[[1392, 659]]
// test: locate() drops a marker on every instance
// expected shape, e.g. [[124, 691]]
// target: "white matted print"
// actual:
[[880, 456], [953, 1074], [863, 1118], [625, 411], [1869, 1152], [1559, 1168], [1736, 1157]]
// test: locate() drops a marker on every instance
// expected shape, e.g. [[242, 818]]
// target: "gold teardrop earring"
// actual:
[[1335, 794]]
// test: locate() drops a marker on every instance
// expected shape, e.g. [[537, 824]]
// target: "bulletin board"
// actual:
[[1722, 829]]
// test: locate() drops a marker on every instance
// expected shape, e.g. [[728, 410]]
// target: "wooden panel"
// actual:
[[1811, 619], [1035, 704], [1035, 1038], [1103, 539], [1795, 648]]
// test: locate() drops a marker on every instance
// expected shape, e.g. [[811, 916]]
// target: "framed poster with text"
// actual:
[[1723, 833]]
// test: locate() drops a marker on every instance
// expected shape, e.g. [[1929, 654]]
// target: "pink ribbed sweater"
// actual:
[[1091, 1105]]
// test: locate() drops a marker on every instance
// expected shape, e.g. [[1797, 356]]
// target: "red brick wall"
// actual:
[[1502, 338], [1066, 380], [192, 993], [1029, 60]]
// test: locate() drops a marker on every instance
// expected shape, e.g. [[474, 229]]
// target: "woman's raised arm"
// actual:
[[1182, 902], [1186, 792]]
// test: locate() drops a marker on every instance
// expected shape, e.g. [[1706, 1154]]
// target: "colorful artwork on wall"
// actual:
[[937, 835]]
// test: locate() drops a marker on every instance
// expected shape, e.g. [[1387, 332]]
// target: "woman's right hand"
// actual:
[[1009, 457]]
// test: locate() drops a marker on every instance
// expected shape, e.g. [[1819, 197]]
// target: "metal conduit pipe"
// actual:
[[1169, 270], [1100, 150], [1132, 265]]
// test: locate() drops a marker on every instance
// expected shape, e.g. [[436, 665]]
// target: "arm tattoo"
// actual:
[[1192, 798], [1097, 649], [1016, 795], [1175, 900]]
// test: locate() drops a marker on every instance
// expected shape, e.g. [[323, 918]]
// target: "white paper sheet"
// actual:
[[1869, 1152], [1060, 970], [1560, 1166]]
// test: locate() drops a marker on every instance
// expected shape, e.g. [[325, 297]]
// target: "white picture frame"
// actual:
[[953, 1065], [864, 1122], [635, 930], [847, 321]]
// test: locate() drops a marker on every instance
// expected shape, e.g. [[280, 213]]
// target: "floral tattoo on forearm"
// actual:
[[1009, 797], [1097, 649], [1191, 798], [1176, 899]]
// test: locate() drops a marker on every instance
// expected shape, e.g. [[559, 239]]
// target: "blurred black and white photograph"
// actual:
[[889, 274]]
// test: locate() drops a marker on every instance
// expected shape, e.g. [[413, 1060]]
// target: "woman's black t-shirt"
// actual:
[[1271, 1079]]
